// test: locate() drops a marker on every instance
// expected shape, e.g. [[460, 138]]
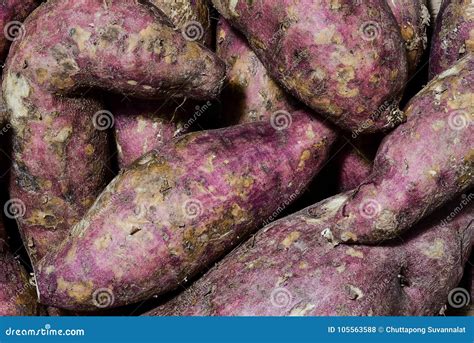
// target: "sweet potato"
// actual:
[[288, 268], [17, 295], [343, 60], [12, 13], [190, 17], [140, 127], [412, 176], [354, 161], [250, 94], [453, 36], [59, 143], [178, 209], [413, 18], [354, 168]]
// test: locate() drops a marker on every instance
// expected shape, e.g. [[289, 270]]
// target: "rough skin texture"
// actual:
[[59, 145], [250, 94], [17, 296], [453, 36], [355, 160], [288, 268], [12, 12], [412, 175], [354, 168], [413, 18], [141, 127], [184, 13], [345, 72], [178, 209]]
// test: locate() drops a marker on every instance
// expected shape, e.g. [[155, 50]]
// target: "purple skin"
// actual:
[[453, 36], [355, 161], [419, 167], [17, 296], [413, 18], [59, 143], [354, 168], [250, 94], [177, 210], [12, 12], [140, 127], [288, 268], [346, 71]]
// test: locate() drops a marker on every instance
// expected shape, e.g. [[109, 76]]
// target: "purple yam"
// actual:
[[178, 209], [12, 13], [342, 59], [140, 127], [354, 168], [289, 269], [250, 94], [453, 35], [60, 137], [413, 18], [420, 166], [17, 295]]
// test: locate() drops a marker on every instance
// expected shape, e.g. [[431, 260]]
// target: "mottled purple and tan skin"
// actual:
[[289, 269], [140, 127], [190, 17], [178, 209], [12, 13], [453, 36], [17, 296], [355, 160], [420, 166], [59, 145], [413, 18], [354, 167], [250, 94], [345, 72]]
